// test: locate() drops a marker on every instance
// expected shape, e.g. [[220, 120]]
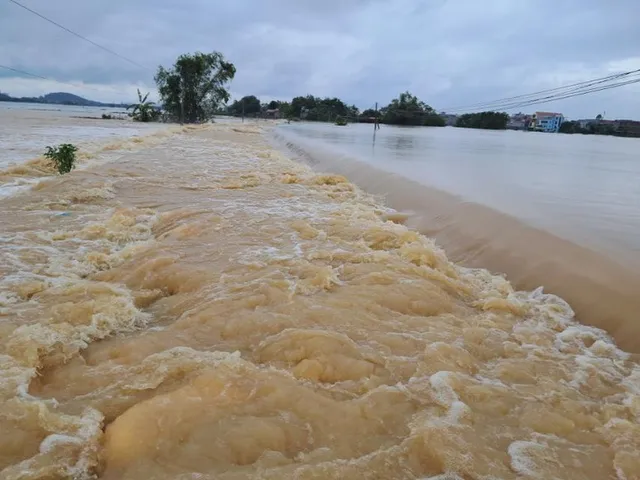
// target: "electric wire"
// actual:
[[567, 91], [106, 49]]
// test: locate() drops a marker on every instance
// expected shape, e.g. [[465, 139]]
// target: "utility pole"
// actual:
[[181, 101], [376, 125]]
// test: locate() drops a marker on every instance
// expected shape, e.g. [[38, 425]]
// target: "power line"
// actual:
[[22, 72], [562, 95], [577, 93], [583, 88], [584, 83], [529, 100], [566, 91], [133, 62]]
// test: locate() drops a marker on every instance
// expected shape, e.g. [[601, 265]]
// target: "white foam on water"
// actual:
[[521, 461], [358, 347]]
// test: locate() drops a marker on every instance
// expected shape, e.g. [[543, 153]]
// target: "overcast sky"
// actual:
[[448, 52]]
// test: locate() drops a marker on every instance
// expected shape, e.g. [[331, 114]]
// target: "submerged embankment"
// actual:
[[603, 291], [207, 307]]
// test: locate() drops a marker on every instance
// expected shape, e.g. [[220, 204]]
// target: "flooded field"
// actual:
[[26, 129]]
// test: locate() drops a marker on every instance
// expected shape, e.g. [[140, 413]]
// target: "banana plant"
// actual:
[[143, 111]]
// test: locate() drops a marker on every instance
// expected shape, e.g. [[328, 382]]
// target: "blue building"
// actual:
[[547, 121]]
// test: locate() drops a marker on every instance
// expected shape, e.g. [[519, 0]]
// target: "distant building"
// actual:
[[515, 124], [585, 122], [272, 113], [519, 121], [547, 121]]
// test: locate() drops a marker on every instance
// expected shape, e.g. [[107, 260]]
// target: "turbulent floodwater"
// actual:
[[204, 307]]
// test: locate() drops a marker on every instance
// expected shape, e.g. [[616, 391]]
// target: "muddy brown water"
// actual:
[[204, 307]]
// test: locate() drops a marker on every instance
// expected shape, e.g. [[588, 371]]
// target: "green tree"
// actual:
[[299, 105], [328, 109], [194, 88], [143, 111], [252, 106], [433, 120], [369, 115], [602, 129], [321, 109], [285, 109], [273, 104], [407, 109], [484, 120], [570, 127]]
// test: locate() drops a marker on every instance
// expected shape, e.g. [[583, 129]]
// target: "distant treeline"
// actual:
[[407, 109], [206, 77], [484, 120], [307, 108], [619, 128]]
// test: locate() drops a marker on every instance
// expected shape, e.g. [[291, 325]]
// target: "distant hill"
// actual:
[[59, 98], [68, 99]]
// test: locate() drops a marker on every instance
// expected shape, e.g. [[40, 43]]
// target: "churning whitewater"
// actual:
[[203, 307]]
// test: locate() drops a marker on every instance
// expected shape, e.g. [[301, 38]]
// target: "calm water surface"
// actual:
[[584, 188]]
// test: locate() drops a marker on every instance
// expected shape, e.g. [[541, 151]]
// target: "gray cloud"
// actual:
[[448, 52]]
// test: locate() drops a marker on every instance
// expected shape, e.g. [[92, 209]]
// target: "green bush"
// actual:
[[433, 120], [63, 157], [485, 120]]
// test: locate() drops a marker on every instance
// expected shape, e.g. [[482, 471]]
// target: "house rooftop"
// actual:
[[547, 114]]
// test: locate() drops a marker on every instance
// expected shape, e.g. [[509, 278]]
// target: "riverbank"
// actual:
[[206, 305]]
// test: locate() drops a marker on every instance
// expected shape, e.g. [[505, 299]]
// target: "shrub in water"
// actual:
[[63, 157]]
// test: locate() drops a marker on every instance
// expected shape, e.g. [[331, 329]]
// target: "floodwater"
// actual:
[[555, 211], [201, 306], [25, 129], [585, 188]]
